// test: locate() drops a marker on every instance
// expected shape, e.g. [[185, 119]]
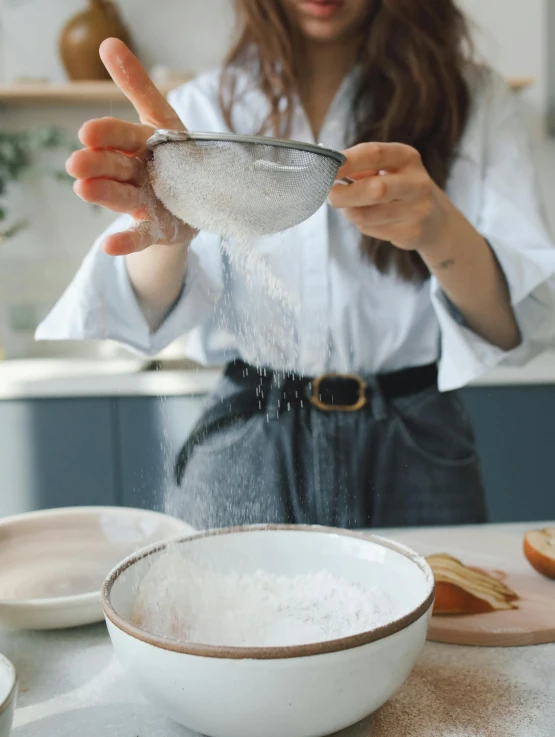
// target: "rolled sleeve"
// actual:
[[510, 219], [100, 302]]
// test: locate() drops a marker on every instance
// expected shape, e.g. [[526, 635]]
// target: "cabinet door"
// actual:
[[55, 453], [515, 431], [151, 432]]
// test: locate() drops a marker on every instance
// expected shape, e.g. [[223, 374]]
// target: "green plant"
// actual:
[[20, 158]]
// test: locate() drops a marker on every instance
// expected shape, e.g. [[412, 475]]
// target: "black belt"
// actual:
[[334, 392], [329, 393]]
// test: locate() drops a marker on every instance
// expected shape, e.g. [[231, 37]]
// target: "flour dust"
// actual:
[[183, 179], [470, 692], [262, 322]]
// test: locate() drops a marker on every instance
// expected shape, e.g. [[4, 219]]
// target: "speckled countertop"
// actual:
[[72, 686]]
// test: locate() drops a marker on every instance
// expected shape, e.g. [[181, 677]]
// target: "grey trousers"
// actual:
[[408, 461]]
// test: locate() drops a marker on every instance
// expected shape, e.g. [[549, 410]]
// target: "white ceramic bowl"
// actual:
[[300, 691], [8, 694], [53, 563]]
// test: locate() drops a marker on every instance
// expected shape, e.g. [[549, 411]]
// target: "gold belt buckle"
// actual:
[[316, 400]]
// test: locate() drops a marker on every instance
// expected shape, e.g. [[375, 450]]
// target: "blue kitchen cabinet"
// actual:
[[515, 431], [55, 453], [63, 452], [150, 433]]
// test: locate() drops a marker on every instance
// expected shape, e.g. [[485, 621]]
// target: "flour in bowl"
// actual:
[[184, 601]]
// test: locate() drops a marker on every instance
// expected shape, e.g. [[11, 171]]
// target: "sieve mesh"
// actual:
[[240, 186]]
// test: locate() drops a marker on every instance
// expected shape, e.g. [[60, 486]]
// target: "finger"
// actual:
[[114, 196], [378, 157], [377, 215], [373, 191], [130, 76], [111, 133], [91, 164], [363, 174], [137, 238]]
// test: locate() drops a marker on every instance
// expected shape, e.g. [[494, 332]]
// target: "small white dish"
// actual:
[[8, 695], [53, 562], [295, 691]]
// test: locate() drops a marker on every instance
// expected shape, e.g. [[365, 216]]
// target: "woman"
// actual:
[[429, 270]]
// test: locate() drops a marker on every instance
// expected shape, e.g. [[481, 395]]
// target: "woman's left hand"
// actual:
[[393, 198]]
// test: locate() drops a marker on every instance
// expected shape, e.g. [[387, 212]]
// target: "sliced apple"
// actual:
[[539, 549], [464, 590]]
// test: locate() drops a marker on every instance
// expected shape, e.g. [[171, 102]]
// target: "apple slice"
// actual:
[[539, 549], [464, 590]]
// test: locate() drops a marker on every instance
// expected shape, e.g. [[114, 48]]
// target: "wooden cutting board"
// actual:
[[497, 552]]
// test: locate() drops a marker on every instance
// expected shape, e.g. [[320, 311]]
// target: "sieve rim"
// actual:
[[165, 135]]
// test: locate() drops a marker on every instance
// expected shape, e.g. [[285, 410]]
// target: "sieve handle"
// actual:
[[288, 168], [284, 168]]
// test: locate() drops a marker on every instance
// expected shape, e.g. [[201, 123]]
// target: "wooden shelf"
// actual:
[[90, 93], [70, 93]]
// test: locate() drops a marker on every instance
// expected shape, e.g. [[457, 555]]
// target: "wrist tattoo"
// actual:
[[446, 264]]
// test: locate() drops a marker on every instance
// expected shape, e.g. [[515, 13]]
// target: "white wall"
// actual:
[[511, 35], [188, 35]]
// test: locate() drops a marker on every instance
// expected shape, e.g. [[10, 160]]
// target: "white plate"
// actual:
[[53, 563], [8, 693]]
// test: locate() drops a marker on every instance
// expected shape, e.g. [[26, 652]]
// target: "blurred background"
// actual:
[[83, 423]]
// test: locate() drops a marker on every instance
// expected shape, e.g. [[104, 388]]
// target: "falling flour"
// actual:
[[185, 601], [180, 180]]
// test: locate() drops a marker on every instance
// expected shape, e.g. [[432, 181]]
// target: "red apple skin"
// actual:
[[540, 561]]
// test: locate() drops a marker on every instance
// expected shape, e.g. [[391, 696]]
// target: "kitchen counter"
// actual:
[[50, 378], [71, 684], [43, 379]]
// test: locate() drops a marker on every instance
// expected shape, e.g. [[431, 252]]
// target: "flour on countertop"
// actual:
[[457, 691], [184, 601]]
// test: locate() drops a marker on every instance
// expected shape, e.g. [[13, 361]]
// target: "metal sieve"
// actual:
[[250, 185]]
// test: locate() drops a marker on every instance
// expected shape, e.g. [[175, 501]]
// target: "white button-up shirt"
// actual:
[[351, 317]]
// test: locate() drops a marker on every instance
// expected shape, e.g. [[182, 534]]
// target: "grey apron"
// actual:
[[260, 454]]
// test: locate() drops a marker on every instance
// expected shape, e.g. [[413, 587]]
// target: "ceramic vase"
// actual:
[[83, 34]]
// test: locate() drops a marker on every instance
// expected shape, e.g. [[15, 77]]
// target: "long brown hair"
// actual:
[[411, 88]]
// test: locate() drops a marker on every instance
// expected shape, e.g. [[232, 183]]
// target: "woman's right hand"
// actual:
[[111, 169]]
